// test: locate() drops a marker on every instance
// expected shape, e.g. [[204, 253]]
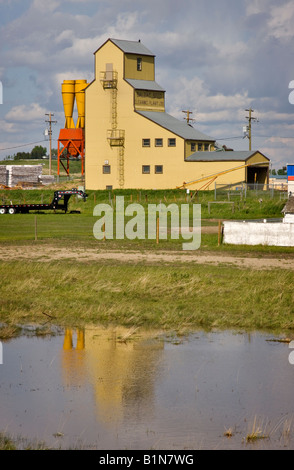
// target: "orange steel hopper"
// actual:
[[71, 142]]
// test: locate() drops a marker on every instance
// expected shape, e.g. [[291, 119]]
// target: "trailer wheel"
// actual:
[[11, 210], [2, 210]]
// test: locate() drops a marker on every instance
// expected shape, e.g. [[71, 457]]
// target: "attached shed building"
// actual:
[[130, 140], [233, 167]]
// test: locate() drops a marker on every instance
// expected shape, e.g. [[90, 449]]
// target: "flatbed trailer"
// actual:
[[59, 202]]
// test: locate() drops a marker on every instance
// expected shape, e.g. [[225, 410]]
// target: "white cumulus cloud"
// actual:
[[25, 113]]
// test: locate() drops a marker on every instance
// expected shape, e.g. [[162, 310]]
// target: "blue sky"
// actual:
[[213, 57]]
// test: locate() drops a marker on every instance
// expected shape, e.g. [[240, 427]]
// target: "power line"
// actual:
[[274, 137], [218, 138], [230, 138], [23, 145], [258, 136]]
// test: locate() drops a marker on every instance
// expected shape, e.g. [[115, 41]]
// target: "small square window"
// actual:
[[158, 142], [200, 147], [109, 188], [139, 64], [145, 142], [193, 147], [172, 142], [146, 169], [106, 169], [158, 169], [206, 147]]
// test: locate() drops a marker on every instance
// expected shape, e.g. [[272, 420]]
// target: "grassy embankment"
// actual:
[[173, 296], [169, 297]]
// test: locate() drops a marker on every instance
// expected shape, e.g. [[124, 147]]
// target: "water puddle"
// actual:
[[124, 389]]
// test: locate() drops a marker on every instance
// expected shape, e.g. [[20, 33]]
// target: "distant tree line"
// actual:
[[37, 153], [281, 171]]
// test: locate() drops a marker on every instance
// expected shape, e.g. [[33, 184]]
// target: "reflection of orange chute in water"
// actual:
[[73, 357], [68, 340]]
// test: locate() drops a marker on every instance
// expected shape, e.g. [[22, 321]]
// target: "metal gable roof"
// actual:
[[132, 47], [144, 84], [235, 155], [182, 129]]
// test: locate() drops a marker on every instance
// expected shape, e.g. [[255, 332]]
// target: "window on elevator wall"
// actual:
[[172, 142], [106, 169], [146, 169], [158, 169], [145, 142], [139, 64]]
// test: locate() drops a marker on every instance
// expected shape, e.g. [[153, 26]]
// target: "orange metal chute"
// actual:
[[71, 142]]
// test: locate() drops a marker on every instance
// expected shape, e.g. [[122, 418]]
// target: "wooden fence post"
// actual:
[[36, 229], [219, 232]]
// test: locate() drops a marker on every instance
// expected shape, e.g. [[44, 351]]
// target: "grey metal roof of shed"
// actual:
[[235, 155], [132, 47], [144, 84], [176, 126]]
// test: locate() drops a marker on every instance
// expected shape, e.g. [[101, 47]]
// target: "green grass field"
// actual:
[[79, 226], [171, 296], [166, 296]]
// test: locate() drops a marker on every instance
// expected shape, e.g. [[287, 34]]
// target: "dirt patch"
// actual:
[[50, 253]]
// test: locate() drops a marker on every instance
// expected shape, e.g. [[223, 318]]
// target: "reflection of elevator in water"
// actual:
[[71, 141], [121, 368]]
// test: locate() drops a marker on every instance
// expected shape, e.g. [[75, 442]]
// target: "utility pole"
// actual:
[[50, 138], [188, 119], [250, 119]]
